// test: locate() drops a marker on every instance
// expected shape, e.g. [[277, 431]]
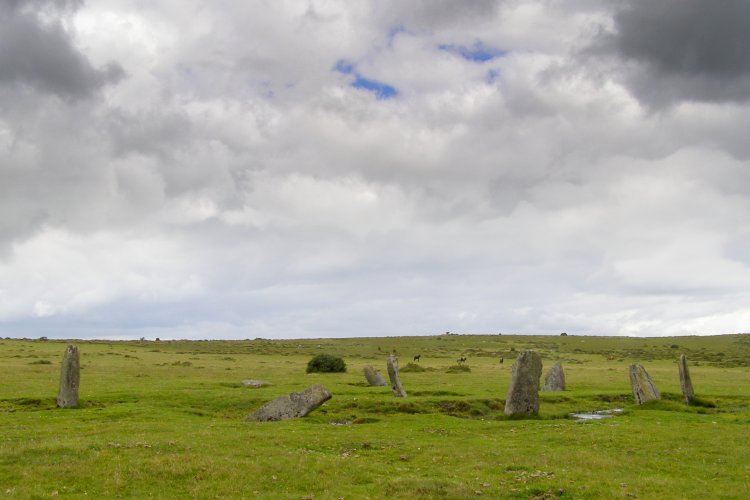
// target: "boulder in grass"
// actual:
[[255, 384], [294, 405]]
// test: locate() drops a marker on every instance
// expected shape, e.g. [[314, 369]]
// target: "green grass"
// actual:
[[165, 419]]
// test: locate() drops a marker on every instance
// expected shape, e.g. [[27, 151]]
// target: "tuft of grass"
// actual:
[[412, 368], [458, 369], [702, 402]]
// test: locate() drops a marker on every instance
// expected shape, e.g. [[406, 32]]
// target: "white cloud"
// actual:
[[234, 184]]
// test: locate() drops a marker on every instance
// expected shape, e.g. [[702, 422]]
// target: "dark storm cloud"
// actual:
[[677, 50], [41, 54]]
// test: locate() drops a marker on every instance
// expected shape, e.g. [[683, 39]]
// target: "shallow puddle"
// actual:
[[596, 415]]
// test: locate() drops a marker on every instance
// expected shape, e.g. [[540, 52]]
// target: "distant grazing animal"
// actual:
[[461, 360], [501, 360], [417, 357]]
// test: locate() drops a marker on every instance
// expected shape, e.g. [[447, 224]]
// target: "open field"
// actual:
[[165, 419]]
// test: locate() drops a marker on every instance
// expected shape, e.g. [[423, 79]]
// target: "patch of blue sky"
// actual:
[[478, 52], [380, 89], [345, 67]]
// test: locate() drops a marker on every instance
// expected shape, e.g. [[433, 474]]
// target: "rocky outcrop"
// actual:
[[523, 393], [294, 405]]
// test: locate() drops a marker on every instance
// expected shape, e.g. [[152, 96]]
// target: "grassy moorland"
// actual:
[[165, 419]]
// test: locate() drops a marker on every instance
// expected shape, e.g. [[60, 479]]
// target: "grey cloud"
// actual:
[[194, 201], [149, 133], [41, 55], [433, 14], [678, 50]]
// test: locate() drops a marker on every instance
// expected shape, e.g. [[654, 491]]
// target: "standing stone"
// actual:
[[374, 378], [396, 387], [523, 393], [294, 405], [70, 378], [555, 378], [642, 385], [687, 386]]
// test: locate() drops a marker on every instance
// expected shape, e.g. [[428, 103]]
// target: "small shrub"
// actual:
[[326, 363]]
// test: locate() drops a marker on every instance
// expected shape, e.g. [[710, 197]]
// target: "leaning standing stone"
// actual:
[[523, 393], [642, 385], [294, 405], [396, 387], [687, 385], [555, 378], [374, 378], [70, 378]]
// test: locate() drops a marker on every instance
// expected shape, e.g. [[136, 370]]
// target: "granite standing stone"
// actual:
[[70, 378], [555, 378], [374, 378], [523, 393], [294, 405], [643, 387], [687, 385], [396, 387]]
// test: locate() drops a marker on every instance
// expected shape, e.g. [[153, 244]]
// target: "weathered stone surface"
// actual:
[[523, 393], [255, 384], [294, 405], [642, 385], [70, 378], [374, 378], [396, 387], [555, 378], [687, 385]]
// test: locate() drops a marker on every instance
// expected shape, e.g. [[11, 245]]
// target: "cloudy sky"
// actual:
[[305, 168]]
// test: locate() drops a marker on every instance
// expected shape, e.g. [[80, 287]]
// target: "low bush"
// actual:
[[326, 363]]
